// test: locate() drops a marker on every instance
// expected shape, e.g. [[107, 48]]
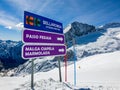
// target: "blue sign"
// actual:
[[33, 21]]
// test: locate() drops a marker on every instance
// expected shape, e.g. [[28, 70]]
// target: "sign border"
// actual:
[[44, 29], [43, 32], [43, 56]]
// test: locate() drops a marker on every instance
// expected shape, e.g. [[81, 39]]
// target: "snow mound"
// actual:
[[43, 84]]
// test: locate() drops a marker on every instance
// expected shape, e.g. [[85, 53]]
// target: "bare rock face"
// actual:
[[77, 29]]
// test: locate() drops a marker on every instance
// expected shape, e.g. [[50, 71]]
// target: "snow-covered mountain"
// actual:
[[101, 40], [97, 66], [93, 41], [76, 30], [10, 54], [110, 25]]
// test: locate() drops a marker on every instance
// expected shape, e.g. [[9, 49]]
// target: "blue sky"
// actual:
[[95, 12]]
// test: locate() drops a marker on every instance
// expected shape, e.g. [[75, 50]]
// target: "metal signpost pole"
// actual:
[[65, 60], [66, 68], [59, 69], [32, 74], [74, 62]]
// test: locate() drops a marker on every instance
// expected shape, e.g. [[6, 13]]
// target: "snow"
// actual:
[[96, 72], [115, 32], [100, 41], [10, 83], [67, 28], [97, 68], [118, 36], [100, 26]]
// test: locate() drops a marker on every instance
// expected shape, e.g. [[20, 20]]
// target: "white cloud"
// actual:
[[21, 5], [19, 26], [30, 5], [8, 27], [10, 22], [44, 5], [13, 23], [7, 20]]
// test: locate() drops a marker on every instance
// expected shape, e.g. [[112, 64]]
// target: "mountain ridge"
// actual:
[[97, 42], [10, 55], [87, 44]]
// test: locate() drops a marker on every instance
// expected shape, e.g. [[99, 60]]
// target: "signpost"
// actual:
[[65, 60], [59, 69], [38, 22], [32, 36], [34, 51], [45, 39], [32, 74], [74, 62]]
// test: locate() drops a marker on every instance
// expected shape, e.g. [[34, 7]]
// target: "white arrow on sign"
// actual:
[[60, 39], [61, 50]]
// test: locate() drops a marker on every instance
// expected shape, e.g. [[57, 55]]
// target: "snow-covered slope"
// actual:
[[101, 40], [40, 65], [108, 41], [98, 72], [97, 68]]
